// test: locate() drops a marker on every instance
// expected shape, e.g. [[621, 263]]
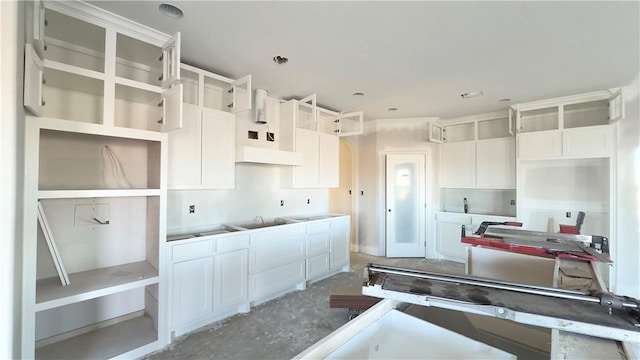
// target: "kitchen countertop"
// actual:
[[258, 223]]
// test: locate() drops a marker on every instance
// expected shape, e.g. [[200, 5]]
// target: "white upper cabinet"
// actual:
[[570, 127], [339, 123], [477, 151], [241, 91], [114, 71], [33, 78], [171, 61], [213, 91], [172, 108]]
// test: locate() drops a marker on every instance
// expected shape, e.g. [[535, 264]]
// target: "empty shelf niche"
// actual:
[[76, 161], [102, 245], [104, 327]]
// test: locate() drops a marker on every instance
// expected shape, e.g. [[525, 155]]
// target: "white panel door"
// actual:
[[339, 248], [496, 163], [307, 143], [540, 145], [218, 149], [172, 108], [192, 289], [459, 164], [351, 124], [590, 141], [230, 286], [33, 79], [405, 205], [329, 160], [184, 150]]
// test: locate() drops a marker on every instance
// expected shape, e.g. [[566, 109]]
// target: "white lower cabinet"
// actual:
[[449, 227], [192, 289], [208, 281], [340, 243], [318, 265], [230, 279]]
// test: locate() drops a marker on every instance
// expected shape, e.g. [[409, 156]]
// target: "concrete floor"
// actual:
[[284, 327]]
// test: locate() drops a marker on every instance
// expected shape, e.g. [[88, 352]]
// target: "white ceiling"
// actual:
[[415, 56]]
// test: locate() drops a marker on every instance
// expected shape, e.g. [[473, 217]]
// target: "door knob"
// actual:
[[389, 210]]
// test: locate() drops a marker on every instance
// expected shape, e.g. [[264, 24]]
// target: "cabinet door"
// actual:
[[436, 133], [172, 108], [230, 286], [329, 161], [306, 113], [585, 142], [496, 163], [540, 145], [35, 21], [351, 124], [339, 248], [448, 243], [33, 72], [307, 143], [218, 149], [192, 289], [184, 162], [241, 94], [616, 106], [171, 62], [459, 164]]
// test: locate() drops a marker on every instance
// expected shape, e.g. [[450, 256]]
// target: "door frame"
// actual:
[[430, 250]]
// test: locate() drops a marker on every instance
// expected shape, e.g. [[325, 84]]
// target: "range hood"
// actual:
[[260, 155]]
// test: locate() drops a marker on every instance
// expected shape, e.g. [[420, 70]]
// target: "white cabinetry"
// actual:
[[314, 132], [117, 73], [95, 81], [477, 152], [109, 237], [327, 247], [276, 261], [201, 154], [496, 163], [209, 278], [459, 164], [449, 227], [340, 230], [572, 127]]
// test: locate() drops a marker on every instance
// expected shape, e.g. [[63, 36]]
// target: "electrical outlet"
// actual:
[[568, 214], [192, 209], [308, 201], [271, 136], [281, 202], [512, 202]]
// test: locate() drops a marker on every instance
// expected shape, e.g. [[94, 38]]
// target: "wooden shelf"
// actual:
[[104, 343], [93, 283], [72, 194]]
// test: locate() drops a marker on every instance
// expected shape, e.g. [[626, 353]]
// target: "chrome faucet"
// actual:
[[260, 218]]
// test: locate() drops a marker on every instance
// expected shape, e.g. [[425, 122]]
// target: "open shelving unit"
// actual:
[[95, 162], [115, 262]]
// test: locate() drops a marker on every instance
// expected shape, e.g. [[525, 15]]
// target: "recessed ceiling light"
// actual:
[[358, 94], [170, 10], [392, 109], [280, 60], [504, 100], [471, 94]]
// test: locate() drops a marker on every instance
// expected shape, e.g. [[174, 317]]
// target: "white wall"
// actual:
[[257, 192], [11, 134], [395, 135], [627, 249]]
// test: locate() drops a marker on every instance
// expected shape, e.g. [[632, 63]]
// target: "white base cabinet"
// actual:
[[216, 276], [208, 280]]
